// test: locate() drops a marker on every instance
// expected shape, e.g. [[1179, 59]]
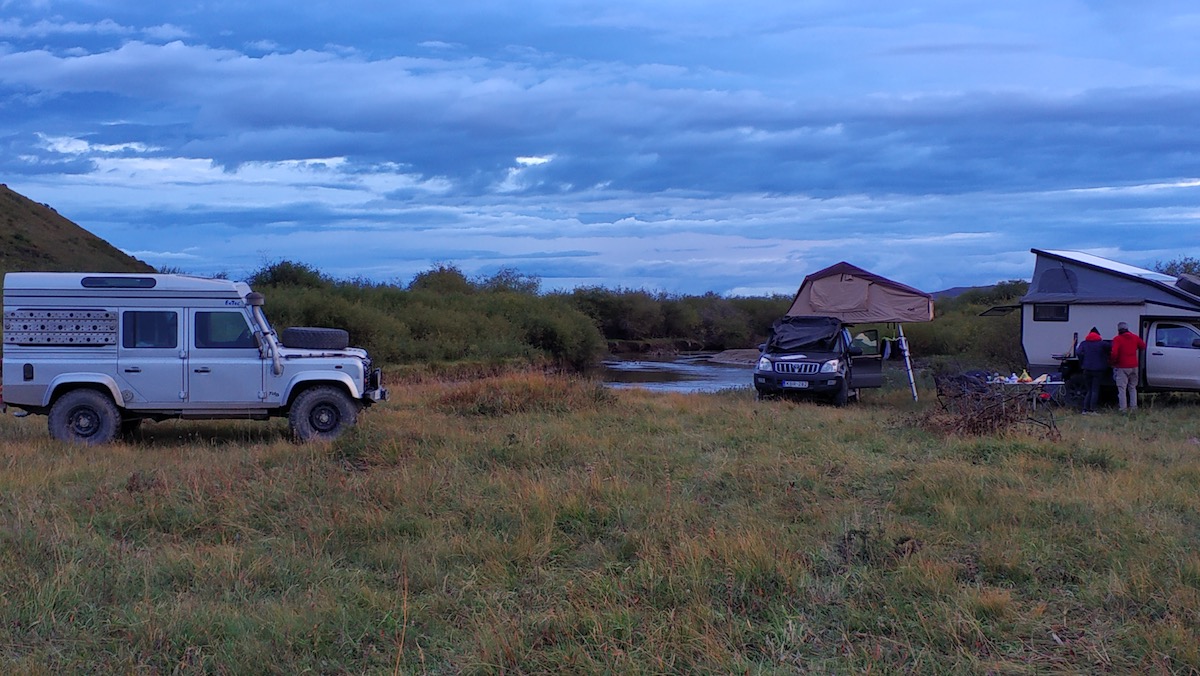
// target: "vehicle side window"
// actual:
[[1044, 312], [1175, 335], [149, 328], [223, 330]]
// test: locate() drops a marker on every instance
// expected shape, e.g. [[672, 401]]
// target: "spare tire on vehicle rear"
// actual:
[[313, 338]]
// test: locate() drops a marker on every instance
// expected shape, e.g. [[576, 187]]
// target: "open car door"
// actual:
[[866, 369]]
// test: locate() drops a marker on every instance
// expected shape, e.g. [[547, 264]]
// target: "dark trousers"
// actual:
[[1092, 379]]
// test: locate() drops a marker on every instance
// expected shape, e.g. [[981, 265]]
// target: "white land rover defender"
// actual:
[[99, 353]]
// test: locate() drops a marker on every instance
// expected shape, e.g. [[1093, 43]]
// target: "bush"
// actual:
[[289, 274], [957, 331], [439, 318]]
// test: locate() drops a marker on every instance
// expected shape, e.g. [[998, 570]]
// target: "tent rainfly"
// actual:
[[856, 296]]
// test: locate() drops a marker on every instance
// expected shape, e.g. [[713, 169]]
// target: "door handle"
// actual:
[[134, 369], [1157, 354], [202, 369]]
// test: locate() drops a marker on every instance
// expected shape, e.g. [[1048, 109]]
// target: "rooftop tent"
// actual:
[[856, 296]]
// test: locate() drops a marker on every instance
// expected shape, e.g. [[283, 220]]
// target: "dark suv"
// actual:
[[816, 357]]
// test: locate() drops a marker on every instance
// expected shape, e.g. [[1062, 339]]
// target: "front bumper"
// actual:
[[375, 391], [777, 383]]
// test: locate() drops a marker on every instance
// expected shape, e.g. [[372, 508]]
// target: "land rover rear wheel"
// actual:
[[84, 417], [322, 413]]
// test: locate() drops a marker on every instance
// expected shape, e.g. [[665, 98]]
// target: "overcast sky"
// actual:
[[678, 145]]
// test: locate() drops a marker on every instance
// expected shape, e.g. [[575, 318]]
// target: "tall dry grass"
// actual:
[[525, 523]]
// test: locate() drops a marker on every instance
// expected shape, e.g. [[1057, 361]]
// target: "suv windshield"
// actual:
[[818, 334]]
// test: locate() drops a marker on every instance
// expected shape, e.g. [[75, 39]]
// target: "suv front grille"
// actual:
[[796, 367]]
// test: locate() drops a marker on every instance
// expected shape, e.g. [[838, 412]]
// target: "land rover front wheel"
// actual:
[[84, 417], [322, 413]]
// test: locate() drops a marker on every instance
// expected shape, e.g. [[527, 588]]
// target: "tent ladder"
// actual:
[[912, 383]]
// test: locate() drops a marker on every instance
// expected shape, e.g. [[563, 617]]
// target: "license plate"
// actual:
[[801, 384]]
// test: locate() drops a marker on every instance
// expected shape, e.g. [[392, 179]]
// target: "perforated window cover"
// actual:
[[60, 327]]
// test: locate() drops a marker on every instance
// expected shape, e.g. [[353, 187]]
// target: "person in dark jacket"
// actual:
[[1093, 359]]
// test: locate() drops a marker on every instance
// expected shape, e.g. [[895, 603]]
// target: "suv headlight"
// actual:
[[765, 364], [831, 366]]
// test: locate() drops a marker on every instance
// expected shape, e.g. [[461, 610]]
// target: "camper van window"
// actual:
[[1051, 313], [118, 282], [149, 329], [223, 330]]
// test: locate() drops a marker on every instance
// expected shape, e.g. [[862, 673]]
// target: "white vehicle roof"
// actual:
[[124, 283]]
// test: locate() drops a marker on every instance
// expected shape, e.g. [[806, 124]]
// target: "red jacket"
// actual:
[[1125, 346]]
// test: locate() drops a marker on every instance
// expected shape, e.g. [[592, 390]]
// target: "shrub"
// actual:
[[289, 274], [440, 318], [444, 279]]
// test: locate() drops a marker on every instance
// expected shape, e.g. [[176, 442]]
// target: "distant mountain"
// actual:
[[1000, 293], [34, 237], [956, 291]]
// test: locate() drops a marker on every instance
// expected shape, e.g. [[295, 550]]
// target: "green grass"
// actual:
[[529, 524]]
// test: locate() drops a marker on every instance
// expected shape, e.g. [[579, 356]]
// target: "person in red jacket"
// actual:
[[1124, 360]]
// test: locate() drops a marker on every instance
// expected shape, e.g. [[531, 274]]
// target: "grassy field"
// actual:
[[525, 524]]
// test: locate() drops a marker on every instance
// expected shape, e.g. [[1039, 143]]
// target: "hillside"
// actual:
[[35, 237]]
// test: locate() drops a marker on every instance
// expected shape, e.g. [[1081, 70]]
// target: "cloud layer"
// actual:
[[686, 147]]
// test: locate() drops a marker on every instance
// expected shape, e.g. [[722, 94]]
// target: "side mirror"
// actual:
[[762, 346], [856, 351], [1196, 343]]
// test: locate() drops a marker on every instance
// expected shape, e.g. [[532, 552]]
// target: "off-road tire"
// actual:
[[842, 395], [322, 413], [84, 417], [313, 338]]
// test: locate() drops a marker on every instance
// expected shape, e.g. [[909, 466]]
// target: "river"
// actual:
[[683, 373]]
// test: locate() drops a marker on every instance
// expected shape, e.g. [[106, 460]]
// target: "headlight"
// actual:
[[831, 366], [765, 364]]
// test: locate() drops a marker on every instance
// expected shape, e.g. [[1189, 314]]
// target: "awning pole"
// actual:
[[912, 383]]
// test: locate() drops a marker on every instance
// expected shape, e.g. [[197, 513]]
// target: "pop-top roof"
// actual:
[[1077, 277], [1114, 266]]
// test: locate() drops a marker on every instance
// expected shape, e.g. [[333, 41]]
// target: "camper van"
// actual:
[[99, 353], [1071, 292]]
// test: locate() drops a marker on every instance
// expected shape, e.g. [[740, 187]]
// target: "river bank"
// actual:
[[746, 356]]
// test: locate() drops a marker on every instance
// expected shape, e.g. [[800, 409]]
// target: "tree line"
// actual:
[[443, 315]]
